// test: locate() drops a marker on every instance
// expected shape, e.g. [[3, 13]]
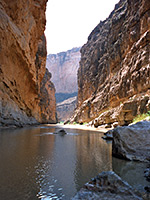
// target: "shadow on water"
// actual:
[[36, 164], [131, 172]]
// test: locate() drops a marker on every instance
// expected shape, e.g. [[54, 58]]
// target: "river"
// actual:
[[36, 164]]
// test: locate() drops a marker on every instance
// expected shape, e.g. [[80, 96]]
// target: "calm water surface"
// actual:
[[35, 164]]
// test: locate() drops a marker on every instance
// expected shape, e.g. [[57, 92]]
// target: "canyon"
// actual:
[[113, 77], [27, 96], [113, 87], [114, 72], [64, 67]]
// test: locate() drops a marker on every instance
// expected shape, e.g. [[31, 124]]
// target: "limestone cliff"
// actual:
[[66, 108], [22, 63], [114, 73], [63, 67]]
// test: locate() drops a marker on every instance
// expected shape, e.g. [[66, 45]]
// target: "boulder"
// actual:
[[60, 132], [108, 135], [107, 186], [132, 142]]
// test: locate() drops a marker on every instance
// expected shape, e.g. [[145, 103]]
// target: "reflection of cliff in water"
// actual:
[[37, 163], [132, 172], [22, 156], [94, 155]]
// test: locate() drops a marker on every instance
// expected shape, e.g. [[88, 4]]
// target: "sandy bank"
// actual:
[[77, 126]]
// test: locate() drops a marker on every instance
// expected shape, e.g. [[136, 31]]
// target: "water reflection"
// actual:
[[36, 164], [93, 155], [132, 172], [20, 154]]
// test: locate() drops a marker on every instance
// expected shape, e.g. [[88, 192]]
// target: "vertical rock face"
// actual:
[[47, 99], [63, 67], [22, 63], [114, 73]]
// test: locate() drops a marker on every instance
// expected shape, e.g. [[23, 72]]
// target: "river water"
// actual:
[[36, 164]]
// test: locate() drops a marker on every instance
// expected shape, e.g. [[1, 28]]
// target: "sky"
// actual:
[[70, 22]]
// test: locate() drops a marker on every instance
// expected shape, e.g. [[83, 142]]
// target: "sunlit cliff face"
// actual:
[[113, 78]]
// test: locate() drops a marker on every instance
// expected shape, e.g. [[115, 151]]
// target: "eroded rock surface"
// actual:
[[107, 186], [147, 173], [132, 142], [22, 62], [114, 72], [47, 99], [64, 67], [66, 108]]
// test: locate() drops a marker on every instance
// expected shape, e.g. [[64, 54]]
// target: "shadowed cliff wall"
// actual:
[[22, 63]]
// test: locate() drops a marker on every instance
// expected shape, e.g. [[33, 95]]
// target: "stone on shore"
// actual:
[[132, 142], [108, 135], [107, 186]]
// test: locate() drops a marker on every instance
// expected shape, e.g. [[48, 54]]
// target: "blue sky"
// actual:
[[69, 22]]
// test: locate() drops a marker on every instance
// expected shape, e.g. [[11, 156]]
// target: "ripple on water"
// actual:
[[50, 196], [72, 134], [44, 134], [48, 187]]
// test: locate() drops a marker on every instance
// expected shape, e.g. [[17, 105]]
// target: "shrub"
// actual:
[[141, 117], [85, 123], [74, 123], [148, 113], [61, 122]]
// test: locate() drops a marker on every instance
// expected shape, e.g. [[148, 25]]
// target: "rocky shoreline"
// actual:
[[129, 143], [107, 186]]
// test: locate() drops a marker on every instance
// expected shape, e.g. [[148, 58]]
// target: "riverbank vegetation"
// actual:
[[144, 116]]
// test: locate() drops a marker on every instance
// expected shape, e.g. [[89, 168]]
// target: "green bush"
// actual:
[[148, 113], [141, 117], [85, 123], [75, 123], [61, 122]]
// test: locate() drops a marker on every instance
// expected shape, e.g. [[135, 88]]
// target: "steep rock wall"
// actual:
[[64, 67], [114, 73], [22, 61], [47, 99]]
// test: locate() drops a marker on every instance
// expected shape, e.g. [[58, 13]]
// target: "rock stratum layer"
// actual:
[[114, 73], [66, 108], [24, 82], [64, 67]]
